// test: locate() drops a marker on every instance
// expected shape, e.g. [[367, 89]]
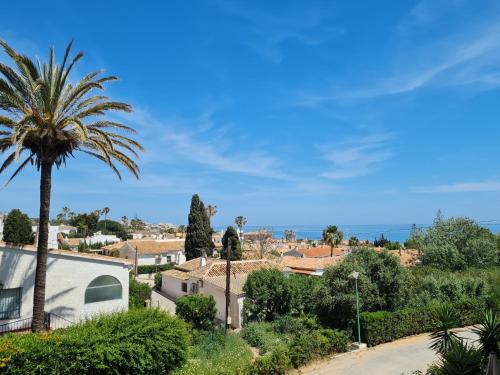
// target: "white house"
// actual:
[[208, 277], [98, 237], [151, 252], [78, 285]]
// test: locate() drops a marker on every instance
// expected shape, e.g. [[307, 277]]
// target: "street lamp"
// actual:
[[355, 275]]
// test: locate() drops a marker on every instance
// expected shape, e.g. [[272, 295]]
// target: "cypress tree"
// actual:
[[199, 232], [236, 253], [17, 228]]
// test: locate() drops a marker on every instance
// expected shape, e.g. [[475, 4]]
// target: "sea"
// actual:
[[392, 232]]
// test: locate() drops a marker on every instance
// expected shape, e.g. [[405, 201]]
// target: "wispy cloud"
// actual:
[[202, 141], [461, 187], [270, 30], [465, 59], [357, 157]]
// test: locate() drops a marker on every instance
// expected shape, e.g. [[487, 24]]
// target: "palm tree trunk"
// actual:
[[331, 251], [43, 239]]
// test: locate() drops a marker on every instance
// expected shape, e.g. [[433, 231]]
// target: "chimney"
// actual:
[[203, 261]]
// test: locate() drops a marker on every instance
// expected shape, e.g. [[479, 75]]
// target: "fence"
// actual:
[[51, 321]]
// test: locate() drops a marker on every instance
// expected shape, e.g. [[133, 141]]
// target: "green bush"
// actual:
[[145, 341], [150, 269], [198, 310], [383, 326], [267, 295], [262, 336], [158, 280], [338, 341], [214, 353], [276, 362], [138, 293]]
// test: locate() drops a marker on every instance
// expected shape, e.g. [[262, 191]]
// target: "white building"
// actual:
[[208, 277], [150, 252], [98, 237], [78, 286]]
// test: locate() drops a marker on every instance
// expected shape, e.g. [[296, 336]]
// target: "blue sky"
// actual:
[[285, 112]]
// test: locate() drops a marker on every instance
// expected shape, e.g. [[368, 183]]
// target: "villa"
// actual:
[[150, 252], [208, 277], [79, 285]]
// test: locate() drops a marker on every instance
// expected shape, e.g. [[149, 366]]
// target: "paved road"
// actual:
[[395, 358]]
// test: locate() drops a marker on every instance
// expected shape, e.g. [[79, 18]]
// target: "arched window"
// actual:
[[103, 288]]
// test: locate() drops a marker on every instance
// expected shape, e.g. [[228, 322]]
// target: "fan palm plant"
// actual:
[[332, 236], [45, 120], [488, 333], [240, 222]]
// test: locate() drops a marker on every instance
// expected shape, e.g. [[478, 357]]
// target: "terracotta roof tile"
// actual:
[[176, 274], [310, 264], [321, 251]]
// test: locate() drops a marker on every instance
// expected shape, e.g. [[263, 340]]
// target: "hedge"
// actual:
[[145, 341], [150, 269], [384, 326]]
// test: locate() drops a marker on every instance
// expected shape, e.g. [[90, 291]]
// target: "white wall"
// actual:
[[53, 231], [173, 286], [176, 257], [67, 278]]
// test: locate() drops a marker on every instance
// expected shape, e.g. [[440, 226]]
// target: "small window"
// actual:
[[10, 303], [169, 258], [103, 288], [184, 287]]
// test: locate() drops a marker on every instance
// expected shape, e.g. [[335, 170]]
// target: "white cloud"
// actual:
[[204, 143], [461, 187], [465, 59], [357, 157]]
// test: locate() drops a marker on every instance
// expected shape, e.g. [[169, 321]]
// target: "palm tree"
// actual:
[[65, 212], [211, 211], [240, 222], [488, 333], [125, 221], [50, 119], [105, 211], [332, 236]]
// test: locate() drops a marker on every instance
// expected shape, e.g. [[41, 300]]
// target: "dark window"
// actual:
[[103, 288], [184, 287], [10, 303], [169, 258]]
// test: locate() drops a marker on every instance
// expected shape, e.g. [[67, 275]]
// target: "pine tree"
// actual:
[[17, 228], [199, 232], [236, 253]]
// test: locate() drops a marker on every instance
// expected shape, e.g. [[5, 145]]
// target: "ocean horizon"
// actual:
[[392, 232]]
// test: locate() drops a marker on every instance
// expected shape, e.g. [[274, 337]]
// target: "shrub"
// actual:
[[217, 354], [276, 362], [150, 269], [198, 310], [119, 343], [338, 341], [267, 295], [158, 280], [262, 336], [138, 293], [383, 326]]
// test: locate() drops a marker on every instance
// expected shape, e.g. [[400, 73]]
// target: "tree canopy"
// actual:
[[17, 228], [231, 235], [199, 231]]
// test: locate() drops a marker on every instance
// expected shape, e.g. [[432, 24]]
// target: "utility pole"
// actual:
[[228, 283], [136, 270]]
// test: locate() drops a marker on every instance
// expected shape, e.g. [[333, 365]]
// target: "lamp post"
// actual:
[[355, 275]]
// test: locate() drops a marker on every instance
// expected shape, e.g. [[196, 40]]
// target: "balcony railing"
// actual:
[[51, 321]]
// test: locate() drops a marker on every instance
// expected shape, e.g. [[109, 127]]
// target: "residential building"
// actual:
[[322, 251], [308, 266], [208, 277], [78, 286], [150, 252]]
